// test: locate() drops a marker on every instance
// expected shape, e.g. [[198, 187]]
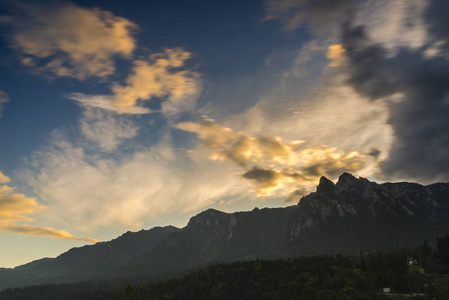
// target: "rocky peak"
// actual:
[[325, 186], [209, 217], [347, 180]]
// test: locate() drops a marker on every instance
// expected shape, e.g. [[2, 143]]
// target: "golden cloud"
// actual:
[[159, 76], [65, 40], [15, 207], [335, 53], [4, 178], [274, 166], [46, 231]]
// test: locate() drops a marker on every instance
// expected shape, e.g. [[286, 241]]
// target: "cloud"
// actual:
[[90, 190], [395, 63], [332, 114], [318, 14], [236, 146], [274, 166], [46, 231], [3, 99], [4, 178], [15, 207], [65, 40], [106, 130], [105, 102], [393, 23], [335, 54], [266, 180], [159, 77], [416, 85], [436, 22]]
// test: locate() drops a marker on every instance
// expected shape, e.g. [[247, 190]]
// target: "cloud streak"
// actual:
[[46, 232], [105, 102], [64, 40]]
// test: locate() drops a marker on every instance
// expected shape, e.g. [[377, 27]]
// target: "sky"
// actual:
[[120, 116]]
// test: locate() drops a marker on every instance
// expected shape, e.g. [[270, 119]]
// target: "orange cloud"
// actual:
[[4, 178], [159, 76], [274, 166], [66, 40], [335, 53], [46, 231]]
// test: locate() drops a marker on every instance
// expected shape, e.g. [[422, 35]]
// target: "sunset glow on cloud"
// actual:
[[157, 77], [273, 165], [335, 54], [65, 40]]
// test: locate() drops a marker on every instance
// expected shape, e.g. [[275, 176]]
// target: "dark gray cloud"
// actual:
[[261, 175], [437, 21], [374, 152], [420, 120]]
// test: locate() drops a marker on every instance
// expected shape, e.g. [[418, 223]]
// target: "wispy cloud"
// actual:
[[318, 14], [106, 130], [274, 166], [65, 40], [15, 208], [105, 102], [158, 77], [90, 190], [394, 23]]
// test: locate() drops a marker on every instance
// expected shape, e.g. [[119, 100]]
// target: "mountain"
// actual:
[[88, 262], [352, 215]]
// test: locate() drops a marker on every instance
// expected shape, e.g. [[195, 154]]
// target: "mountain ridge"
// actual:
[[350, 215]]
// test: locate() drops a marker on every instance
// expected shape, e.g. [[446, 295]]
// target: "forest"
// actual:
[[417, 273]]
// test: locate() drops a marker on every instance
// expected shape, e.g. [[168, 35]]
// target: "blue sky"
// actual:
[[120, 116]]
